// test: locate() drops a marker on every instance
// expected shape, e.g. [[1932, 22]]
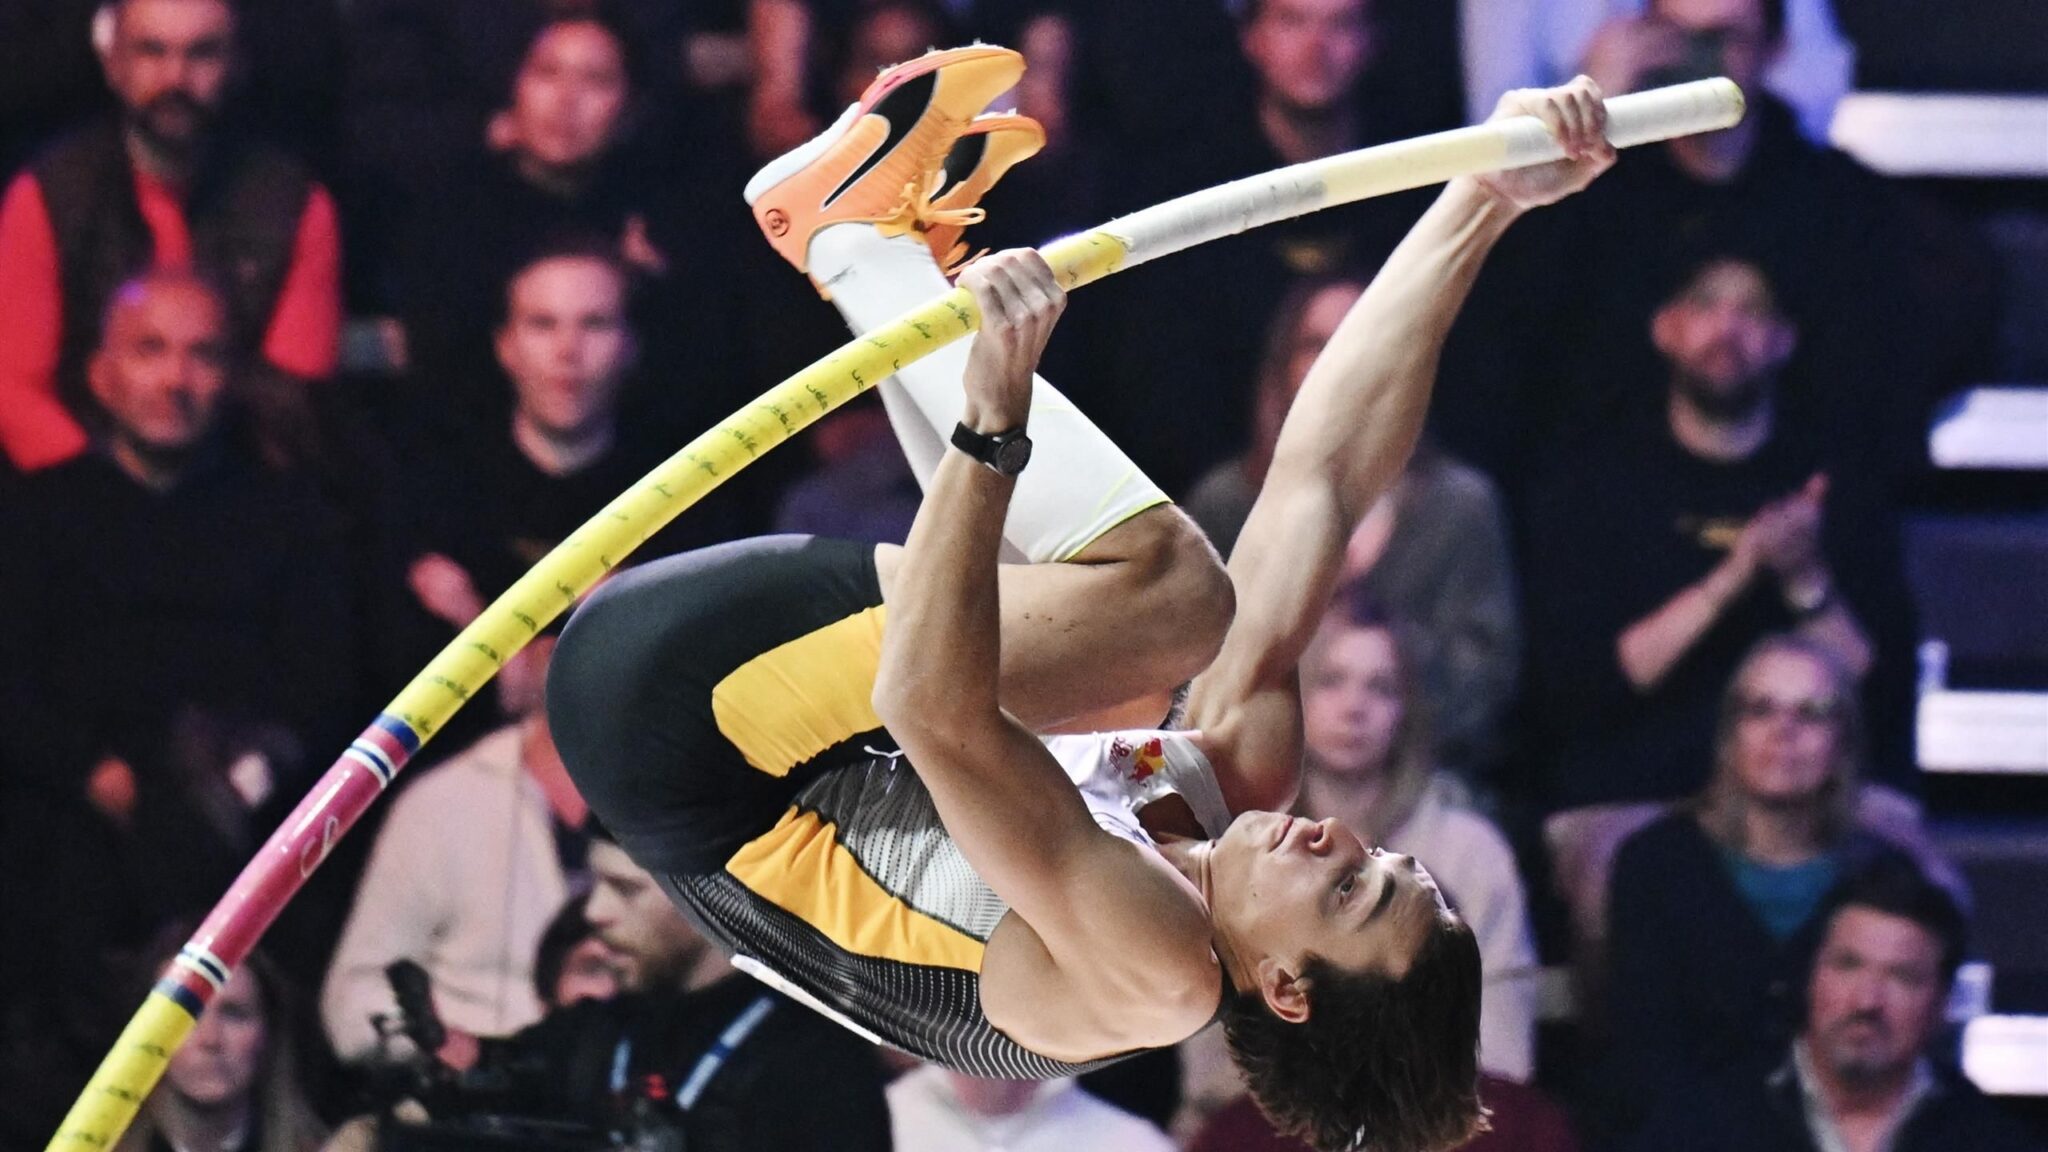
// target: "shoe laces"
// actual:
[[919, 214]]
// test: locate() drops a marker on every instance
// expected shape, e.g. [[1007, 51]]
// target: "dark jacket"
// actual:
[[1752, 1112], [243, 212], [794, 1080], [1697, 984]]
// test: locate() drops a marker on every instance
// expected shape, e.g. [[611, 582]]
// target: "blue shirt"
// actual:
[[1784, 898]]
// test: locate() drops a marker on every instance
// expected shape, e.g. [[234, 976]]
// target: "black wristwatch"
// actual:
[[1006, 452]]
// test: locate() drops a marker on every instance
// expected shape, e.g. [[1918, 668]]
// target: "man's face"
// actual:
[[1735, 27], [1351, 699], [168, 64], [1293, 888], [565, 344], [654, 945], [1876, 995], [1787, 728], [221, 1060], [1309, 54], [161, 369], [569, 96], [1724, 338]]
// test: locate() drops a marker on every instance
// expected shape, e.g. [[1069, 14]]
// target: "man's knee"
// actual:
[[1181, 587]]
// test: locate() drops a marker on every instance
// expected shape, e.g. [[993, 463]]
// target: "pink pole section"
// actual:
[[303, 841]]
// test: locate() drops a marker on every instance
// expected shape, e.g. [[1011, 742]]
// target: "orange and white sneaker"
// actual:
[[992, 144], [870, 165]]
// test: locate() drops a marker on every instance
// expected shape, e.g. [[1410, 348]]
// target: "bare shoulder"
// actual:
[[1091, 987]]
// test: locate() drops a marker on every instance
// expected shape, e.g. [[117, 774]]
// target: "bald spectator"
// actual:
[[159, 590], [168, 571], [161, 184]]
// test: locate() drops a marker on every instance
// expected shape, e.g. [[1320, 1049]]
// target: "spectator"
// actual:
[[1434, 551], [788, 1077], [1524, 44], [161, 186], [934, 1107], [1715, 907], [1669, 538], [170, 573], [1894, 303], [492, 504], [1366, 728], [471, 864], [234, 1084], [1522, 1120], [1861, 1074], [1172, 349], [564, 160], [571, 963]]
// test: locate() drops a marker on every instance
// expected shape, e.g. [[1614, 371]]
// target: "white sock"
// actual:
[[1079, 484]]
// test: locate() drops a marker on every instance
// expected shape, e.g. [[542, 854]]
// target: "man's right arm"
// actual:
[[36, 430]]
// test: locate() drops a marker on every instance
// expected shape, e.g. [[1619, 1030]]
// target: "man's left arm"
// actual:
[[1348, 436], [304, 337]]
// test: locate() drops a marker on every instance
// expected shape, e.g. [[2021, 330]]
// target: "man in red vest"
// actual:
[[159, 186]]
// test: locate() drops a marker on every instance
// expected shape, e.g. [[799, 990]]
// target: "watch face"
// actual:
[[1013, 455]]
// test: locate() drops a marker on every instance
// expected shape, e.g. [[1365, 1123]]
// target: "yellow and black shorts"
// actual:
[[714, 710]]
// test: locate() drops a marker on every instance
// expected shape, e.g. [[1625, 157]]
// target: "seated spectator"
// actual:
[[1365, 725], [563, 159], [1896, 304], [1173, 339], [1434, 551], [935, 1107], [170, 573], [473, 861], [493, 502], [165, 185], [1863, 1071], [1522, 1119], [1715, 907], [1668, 538], [571, 962], [234, 1084], [752, 1069]]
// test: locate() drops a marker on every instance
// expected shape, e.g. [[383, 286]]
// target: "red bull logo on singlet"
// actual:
[[1138, 761]]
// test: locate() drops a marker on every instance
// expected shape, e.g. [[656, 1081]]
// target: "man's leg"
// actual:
[[1079, 484], [1140, 602]]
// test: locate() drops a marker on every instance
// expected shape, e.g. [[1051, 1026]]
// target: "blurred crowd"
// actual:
[[322, 320]]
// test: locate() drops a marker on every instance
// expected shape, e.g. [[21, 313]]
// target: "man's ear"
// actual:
[[1664, 329], [1285, 992], [99, 378]]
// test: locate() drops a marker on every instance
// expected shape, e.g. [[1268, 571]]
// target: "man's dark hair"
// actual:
[[1893, 884], [570, 245], [1380, 1065]]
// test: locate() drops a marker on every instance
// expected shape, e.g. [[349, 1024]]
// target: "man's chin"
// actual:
[[180, 136]]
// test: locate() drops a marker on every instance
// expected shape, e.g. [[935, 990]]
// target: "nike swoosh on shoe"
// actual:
[[902, 108]]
